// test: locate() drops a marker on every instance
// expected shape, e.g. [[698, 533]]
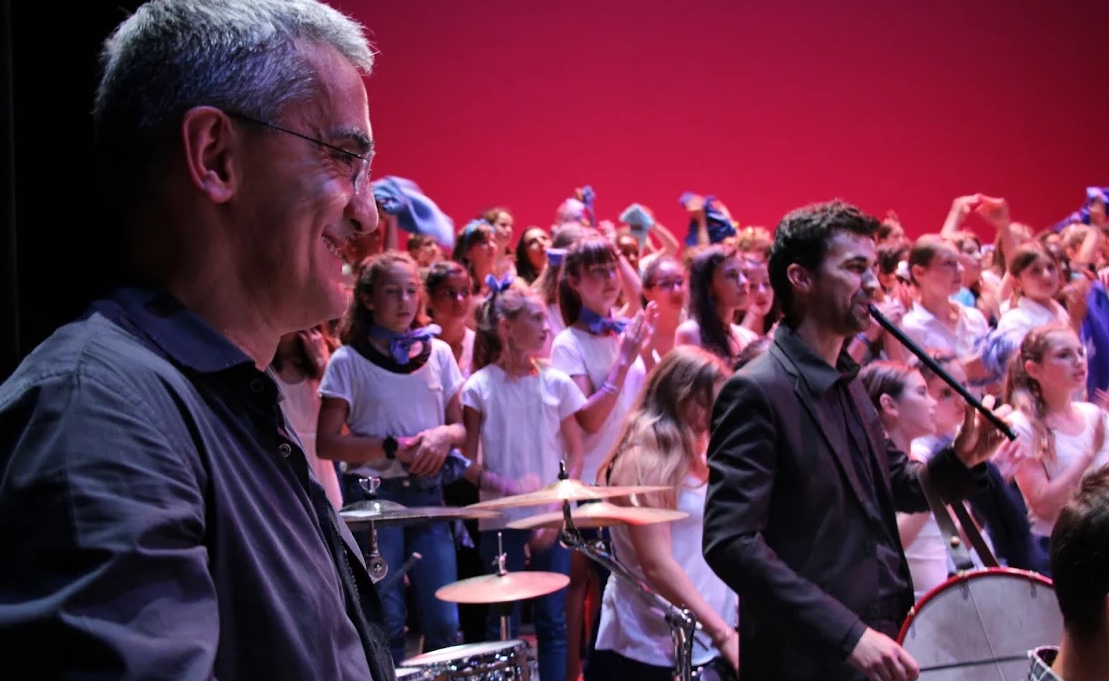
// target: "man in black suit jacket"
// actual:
[[803, 487]]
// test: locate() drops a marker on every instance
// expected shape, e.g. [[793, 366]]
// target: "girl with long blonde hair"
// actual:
[[1064, 438], [663, 442]]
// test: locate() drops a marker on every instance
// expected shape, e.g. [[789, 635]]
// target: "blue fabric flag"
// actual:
[[719, 226], [1083, 214], [415, 212]]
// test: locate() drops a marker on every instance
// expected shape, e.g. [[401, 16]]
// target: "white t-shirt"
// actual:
[[632, 626], [384, 403], [930, 333], [1068, 450], [1027, 314], [301, 404], [579, 353], [521, 427]]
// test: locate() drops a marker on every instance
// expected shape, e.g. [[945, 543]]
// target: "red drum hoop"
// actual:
[[981, 625]]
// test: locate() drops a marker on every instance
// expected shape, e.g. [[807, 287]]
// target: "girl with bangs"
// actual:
[[601, 354], [390, 408], [1035, 278], [663, 443]]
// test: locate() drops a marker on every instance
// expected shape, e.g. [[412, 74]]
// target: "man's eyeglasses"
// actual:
[[360, 165]]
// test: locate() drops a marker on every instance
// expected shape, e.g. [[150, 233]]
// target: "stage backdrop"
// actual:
[[899, 105]]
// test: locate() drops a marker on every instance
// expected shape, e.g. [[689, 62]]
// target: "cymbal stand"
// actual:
[[682, 623], [375, 564], [504, 607]]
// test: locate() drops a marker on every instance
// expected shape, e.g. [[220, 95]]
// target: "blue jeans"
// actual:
[[435, 542], [549, 610]]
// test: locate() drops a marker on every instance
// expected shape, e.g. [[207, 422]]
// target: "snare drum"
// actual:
[[982, 624], [490, 661], [414, 674]]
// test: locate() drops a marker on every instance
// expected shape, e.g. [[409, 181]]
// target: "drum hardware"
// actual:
[[502, 587], [386, 584], [563, 490], [682, 623], [600, 514], [492, 660], [372, 512]]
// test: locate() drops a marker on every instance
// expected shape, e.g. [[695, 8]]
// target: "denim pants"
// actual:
[[549, 611], [435, 542]]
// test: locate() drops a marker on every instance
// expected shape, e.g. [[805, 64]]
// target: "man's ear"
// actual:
[[800, 278], [212, 148]]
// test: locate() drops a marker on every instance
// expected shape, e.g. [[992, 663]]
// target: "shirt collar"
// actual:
[[818, 374], [176, 330], [1041, 660]]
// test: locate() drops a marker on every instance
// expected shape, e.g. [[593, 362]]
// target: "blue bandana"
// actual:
[[598, 325], [400, 344]]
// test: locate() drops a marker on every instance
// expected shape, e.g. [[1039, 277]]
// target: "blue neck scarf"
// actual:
[[598, 325], [400, 344], [499, 285]]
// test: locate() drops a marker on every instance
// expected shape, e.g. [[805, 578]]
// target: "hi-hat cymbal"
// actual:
[[601, 514], [511, 586], [384, 513], [564, 490]]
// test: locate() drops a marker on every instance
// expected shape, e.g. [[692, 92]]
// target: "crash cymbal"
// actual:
[[600, 514], [511, 586], [384, 513], [564, 490]]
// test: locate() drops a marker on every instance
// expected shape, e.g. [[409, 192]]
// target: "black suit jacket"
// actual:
[[785, 522]]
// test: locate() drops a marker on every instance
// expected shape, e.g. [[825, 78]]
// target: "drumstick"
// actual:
[[389, 581], [975, 663], [932, 364]]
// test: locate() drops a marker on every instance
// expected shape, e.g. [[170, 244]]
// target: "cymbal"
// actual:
[[601, 514], [512, 586], [384, 513], [564, 490]]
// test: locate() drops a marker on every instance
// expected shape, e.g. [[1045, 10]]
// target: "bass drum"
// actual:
[[980, 625]]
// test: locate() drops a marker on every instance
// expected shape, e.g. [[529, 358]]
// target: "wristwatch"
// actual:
[[390, 446]]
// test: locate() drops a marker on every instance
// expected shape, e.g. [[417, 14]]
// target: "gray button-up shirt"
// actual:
[[159, 520]]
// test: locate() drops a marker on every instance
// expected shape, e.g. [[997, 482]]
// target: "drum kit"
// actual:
[[511, 660]]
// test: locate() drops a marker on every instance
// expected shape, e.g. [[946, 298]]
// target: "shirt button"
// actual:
[[256, 385], [285, 449]]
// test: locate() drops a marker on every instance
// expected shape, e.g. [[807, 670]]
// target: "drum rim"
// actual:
[[493, 647], [966, 577]]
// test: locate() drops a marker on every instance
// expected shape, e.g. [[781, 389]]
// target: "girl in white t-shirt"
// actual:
[[664, 285], [663, 443], [717, 292], [1035, 277], [394, 389], [523, 416], [1063, 439], [601, 355]]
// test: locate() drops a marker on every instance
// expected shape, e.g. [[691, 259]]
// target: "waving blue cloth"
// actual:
[[718, 224], [1083, 214], [555, 256], [598, 325], [400, 344], [588, 197], [499, 285], [415, 212]]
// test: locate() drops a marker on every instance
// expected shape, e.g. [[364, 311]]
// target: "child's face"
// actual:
[[1040, 280], [528, 331], [451, 300], [395, 298], [950, 405], [598, 285]]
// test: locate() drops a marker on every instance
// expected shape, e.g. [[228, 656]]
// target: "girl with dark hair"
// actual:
[[391, 410], [664, 285], [449, 292], [520, 416], [602, 355], [298, 367], [531, 254], [717, 291], [1035, 278]]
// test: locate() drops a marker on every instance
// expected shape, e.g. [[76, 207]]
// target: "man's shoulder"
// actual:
[[91, 351]]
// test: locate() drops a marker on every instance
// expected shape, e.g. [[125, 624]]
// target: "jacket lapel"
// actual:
[[823, 417]]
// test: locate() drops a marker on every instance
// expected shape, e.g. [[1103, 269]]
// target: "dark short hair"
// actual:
[[802, 238], [1080, 557]]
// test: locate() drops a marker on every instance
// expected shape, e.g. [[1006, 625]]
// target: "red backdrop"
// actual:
[[899, 105]]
